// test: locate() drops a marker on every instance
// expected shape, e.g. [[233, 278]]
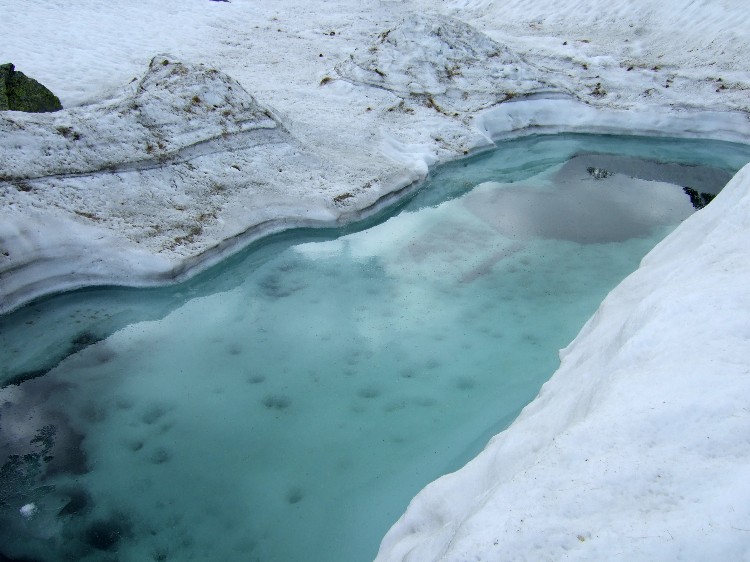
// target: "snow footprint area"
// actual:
[[707, 33]]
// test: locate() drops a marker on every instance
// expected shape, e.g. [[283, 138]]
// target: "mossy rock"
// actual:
[[18, 92], [5, 71]]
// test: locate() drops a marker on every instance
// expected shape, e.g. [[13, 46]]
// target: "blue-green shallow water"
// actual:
[[287, 404]]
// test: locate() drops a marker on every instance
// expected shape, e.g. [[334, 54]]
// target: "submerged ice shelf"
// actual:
[[304, 391]]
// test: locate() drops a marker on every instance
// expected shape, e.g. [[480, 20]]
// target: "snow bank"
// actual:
[[43, 251], [701, 33], [173, 107], [561, 115], [635, 446], [445, 64], [177, 170]]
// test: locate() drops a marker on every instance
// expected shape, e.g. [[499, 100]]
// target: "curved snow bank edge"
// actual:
[[633, 444], [569, 116], [69, 264]]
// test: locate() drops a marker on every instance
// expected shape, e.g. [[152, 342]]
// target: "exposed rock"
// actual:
[[698, 199], [444, 63], [598, 173], [5, 71], [104, 534], [18, 92]]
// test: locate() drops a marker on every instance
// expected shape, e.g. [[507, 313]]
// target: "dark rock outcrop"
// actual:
[[18, 92]]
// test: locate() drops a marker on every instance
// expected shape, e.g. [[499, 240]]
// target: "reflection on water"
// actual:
[[288, 404]]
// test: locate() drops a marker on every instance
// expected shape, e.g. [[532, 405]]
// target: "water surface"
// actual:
[[287, 404]]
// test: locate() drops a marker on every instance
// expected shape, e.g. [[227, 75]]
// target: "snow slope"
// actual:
[[637, 446]]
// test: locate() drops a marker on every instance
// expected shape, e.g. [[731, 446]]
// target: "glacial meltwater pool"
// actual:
[[286, 405]]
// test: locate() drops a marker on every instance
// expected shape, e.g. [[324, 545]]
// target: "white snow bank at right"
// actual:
[[638, 445]]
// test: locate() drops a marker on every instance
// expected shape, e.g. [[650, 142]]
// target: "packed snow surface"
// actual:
[[281, 113]]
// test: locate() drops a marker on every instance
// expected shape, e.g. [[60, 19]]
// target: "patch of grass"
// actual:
[[21, 185], [402, 107], [453, 71], [68, 133], [203, 217], [194, 231], [90, 216], [342, 197], [598, 91], [431, 103]]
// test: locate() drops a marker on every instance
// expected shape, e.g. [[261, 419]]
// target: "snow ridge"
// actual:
[[174, 106], [444, 63]]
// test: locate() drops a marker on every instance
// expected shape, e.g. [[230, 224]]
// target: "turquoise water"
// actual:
[[287, 404]]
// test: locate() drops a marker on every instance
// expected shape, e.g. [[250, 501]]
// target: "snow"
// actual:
[[28, 510], [444, 63], [559, 115], [292, 112]]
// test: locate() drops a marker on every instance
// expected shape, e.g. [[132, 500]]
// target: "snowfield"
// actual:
[[193, 127]]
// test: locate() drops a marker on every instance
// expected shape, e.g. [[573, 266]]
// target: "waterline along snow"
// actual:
[[287, 404]]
